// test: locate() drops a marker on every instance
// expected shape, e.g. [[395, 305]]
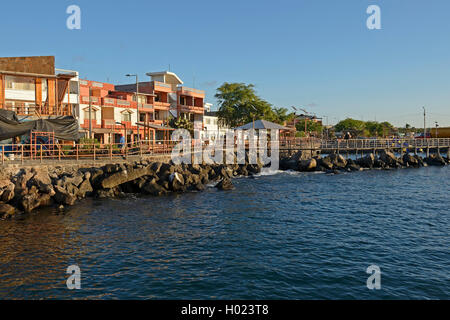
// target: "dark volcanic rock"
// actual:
[[6, 211], [225, 184], [307, 165], [435, 160], [367, 161]]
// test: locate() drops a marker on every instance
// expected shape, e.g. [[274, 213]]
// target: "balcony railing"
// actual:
[[45, 110], [187, 90]]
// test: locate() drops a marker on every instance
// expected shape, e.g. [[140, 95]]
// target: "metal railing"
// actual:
[[21, 153]]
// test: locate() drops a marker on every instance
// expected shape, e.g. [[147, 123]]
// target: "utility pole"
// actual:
[[137, 103], [90, 113]]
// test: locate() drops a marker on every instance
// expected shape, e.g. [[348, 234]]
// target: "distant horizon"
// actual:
[[315, 54]]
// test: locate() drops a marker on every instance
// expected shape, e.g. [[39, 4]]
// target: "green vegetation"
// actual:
[[239, 104], [365, 128], [311, 126], [181, 123]]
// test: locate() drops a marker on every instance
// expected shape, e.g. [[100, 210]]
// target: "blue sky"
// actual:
[[315, 53]]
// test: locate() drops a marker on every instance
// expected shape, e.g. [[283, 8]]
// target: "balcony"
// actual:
[[94, 123], [163, 87], [94, 100], [191, 109], [162, 105], [108, 123], [145, 107], [191, 92]]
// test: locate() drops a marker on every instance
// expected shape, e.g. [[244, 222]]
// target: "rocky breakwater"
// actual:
[[335, 163], [27, 189]]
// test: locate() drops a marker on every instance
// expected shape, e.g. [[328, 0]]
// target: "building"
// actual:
[[170, 99], [212, 127], [106, 113], [30, 87]]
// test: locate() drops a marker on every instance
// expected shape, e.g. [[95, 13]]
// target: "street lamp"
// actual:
[[437, 126], [137, 100], [424, 123]]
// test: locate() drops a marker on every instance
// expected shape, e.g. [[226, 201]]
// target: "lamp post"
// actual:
[[424, 123], [437, 126], [137, 101]]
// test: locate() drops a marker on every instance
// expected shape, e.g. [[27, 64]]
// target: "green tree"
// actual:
[[311, 126], [356, 127], [239, 104], [181, 123], [281, 115]]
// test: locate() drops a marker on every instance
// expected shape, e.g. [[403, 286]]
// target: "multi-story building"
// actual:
[[107, 114], [170, 99], [212, 126], [30, 87], [33, 88]]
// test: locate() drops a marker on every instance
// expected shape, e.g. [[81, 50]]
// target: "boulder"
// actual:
[[21, 182], [410, 160], [352, 166], [251, 168], [286, 164], [6, 211], [225, 184], [338, 160], [177, 182], [42, 181], [64, 196], [435, 160], [84, 189], [6, 190], [307, 165], [380, 164], [389, 159], [153, 188], [34, 200], [367, 161], [121, 177], [107, 193], [326, 163]]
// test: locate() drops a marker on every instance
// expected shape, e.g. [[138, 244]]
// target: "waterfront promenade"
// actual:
[[161, 150]]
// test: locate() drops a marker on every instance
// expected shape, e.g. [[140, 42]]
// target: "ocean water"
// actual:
[[277, 236]]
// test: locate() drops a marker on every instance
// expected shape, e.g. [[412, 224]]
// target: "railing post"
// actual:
[[110, 151], [3, 155], [77, 152], [22, 153], [94, 151]]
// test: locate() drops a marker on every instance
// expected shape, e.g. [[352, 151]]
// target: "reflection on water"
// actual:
[[287, 235]]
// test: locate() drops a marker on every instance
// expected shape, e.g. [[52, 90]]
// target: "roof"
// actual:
[[165, 73], [262, 124]]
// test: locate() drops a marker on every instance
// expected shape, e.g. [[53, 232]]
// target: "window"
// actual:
[[20, 83], [93, 114], [74, 87], [142, 117], [126, 116], [183, 101]]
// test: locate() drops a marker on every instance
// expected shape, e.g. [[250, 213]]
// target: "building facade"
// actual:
[[30, 87]]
